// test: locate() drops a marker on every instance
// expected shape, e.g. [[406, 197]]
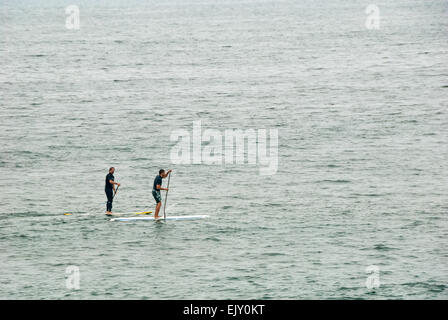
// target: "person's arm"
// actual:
[[112, 182], [167, 173], [159, 187]]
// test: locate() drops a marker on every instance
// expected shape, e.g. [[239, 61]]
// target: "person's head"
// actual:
[[111, 170], [161, 172]]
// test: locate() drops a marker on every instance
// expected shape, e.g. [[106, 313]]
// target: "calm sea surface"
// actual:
[[362, 120]]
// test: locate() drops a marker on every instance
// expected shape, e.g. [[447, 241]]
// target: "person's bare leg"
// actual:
[[156, 214]]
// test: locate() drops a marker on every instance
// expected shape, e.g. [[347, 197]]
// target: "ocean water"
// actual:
[[361, 179]]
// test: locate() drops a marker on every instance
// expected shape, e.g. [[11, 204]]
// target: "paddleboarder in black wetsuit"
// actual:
[[110, 189], [156, 187]]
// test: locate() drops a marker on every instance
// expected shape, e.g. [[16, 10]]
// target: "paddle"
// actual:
[[116, 190], [166, 196]]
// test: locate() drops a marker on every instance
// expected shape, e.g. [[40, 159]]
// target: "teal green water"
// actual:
[[362, 153]]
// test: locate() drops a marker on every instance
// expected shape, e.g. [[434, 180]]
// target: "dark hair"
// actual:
[[161, 171], [111, 168]]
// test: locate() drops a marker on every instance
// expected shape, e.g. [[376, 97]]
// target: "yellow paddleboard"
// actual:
[[128, 213]]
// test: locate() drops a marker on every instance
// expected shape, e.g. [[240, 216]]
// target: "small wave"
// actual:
[[334, 181], [212, 239], [382, 247], [432, 287], [369, 194], [273, 254]]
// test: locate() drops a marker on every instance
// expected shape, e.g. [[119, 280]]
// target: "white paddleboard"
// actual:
[[167, 218]]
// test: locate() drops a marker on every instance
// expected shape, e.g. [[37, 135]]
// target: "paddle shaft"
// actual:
[[166, 196], [116, 190]]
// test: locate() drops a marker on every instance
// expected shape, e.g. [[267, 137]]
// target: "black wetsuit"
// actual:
[[109, 191], [155, 191]]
